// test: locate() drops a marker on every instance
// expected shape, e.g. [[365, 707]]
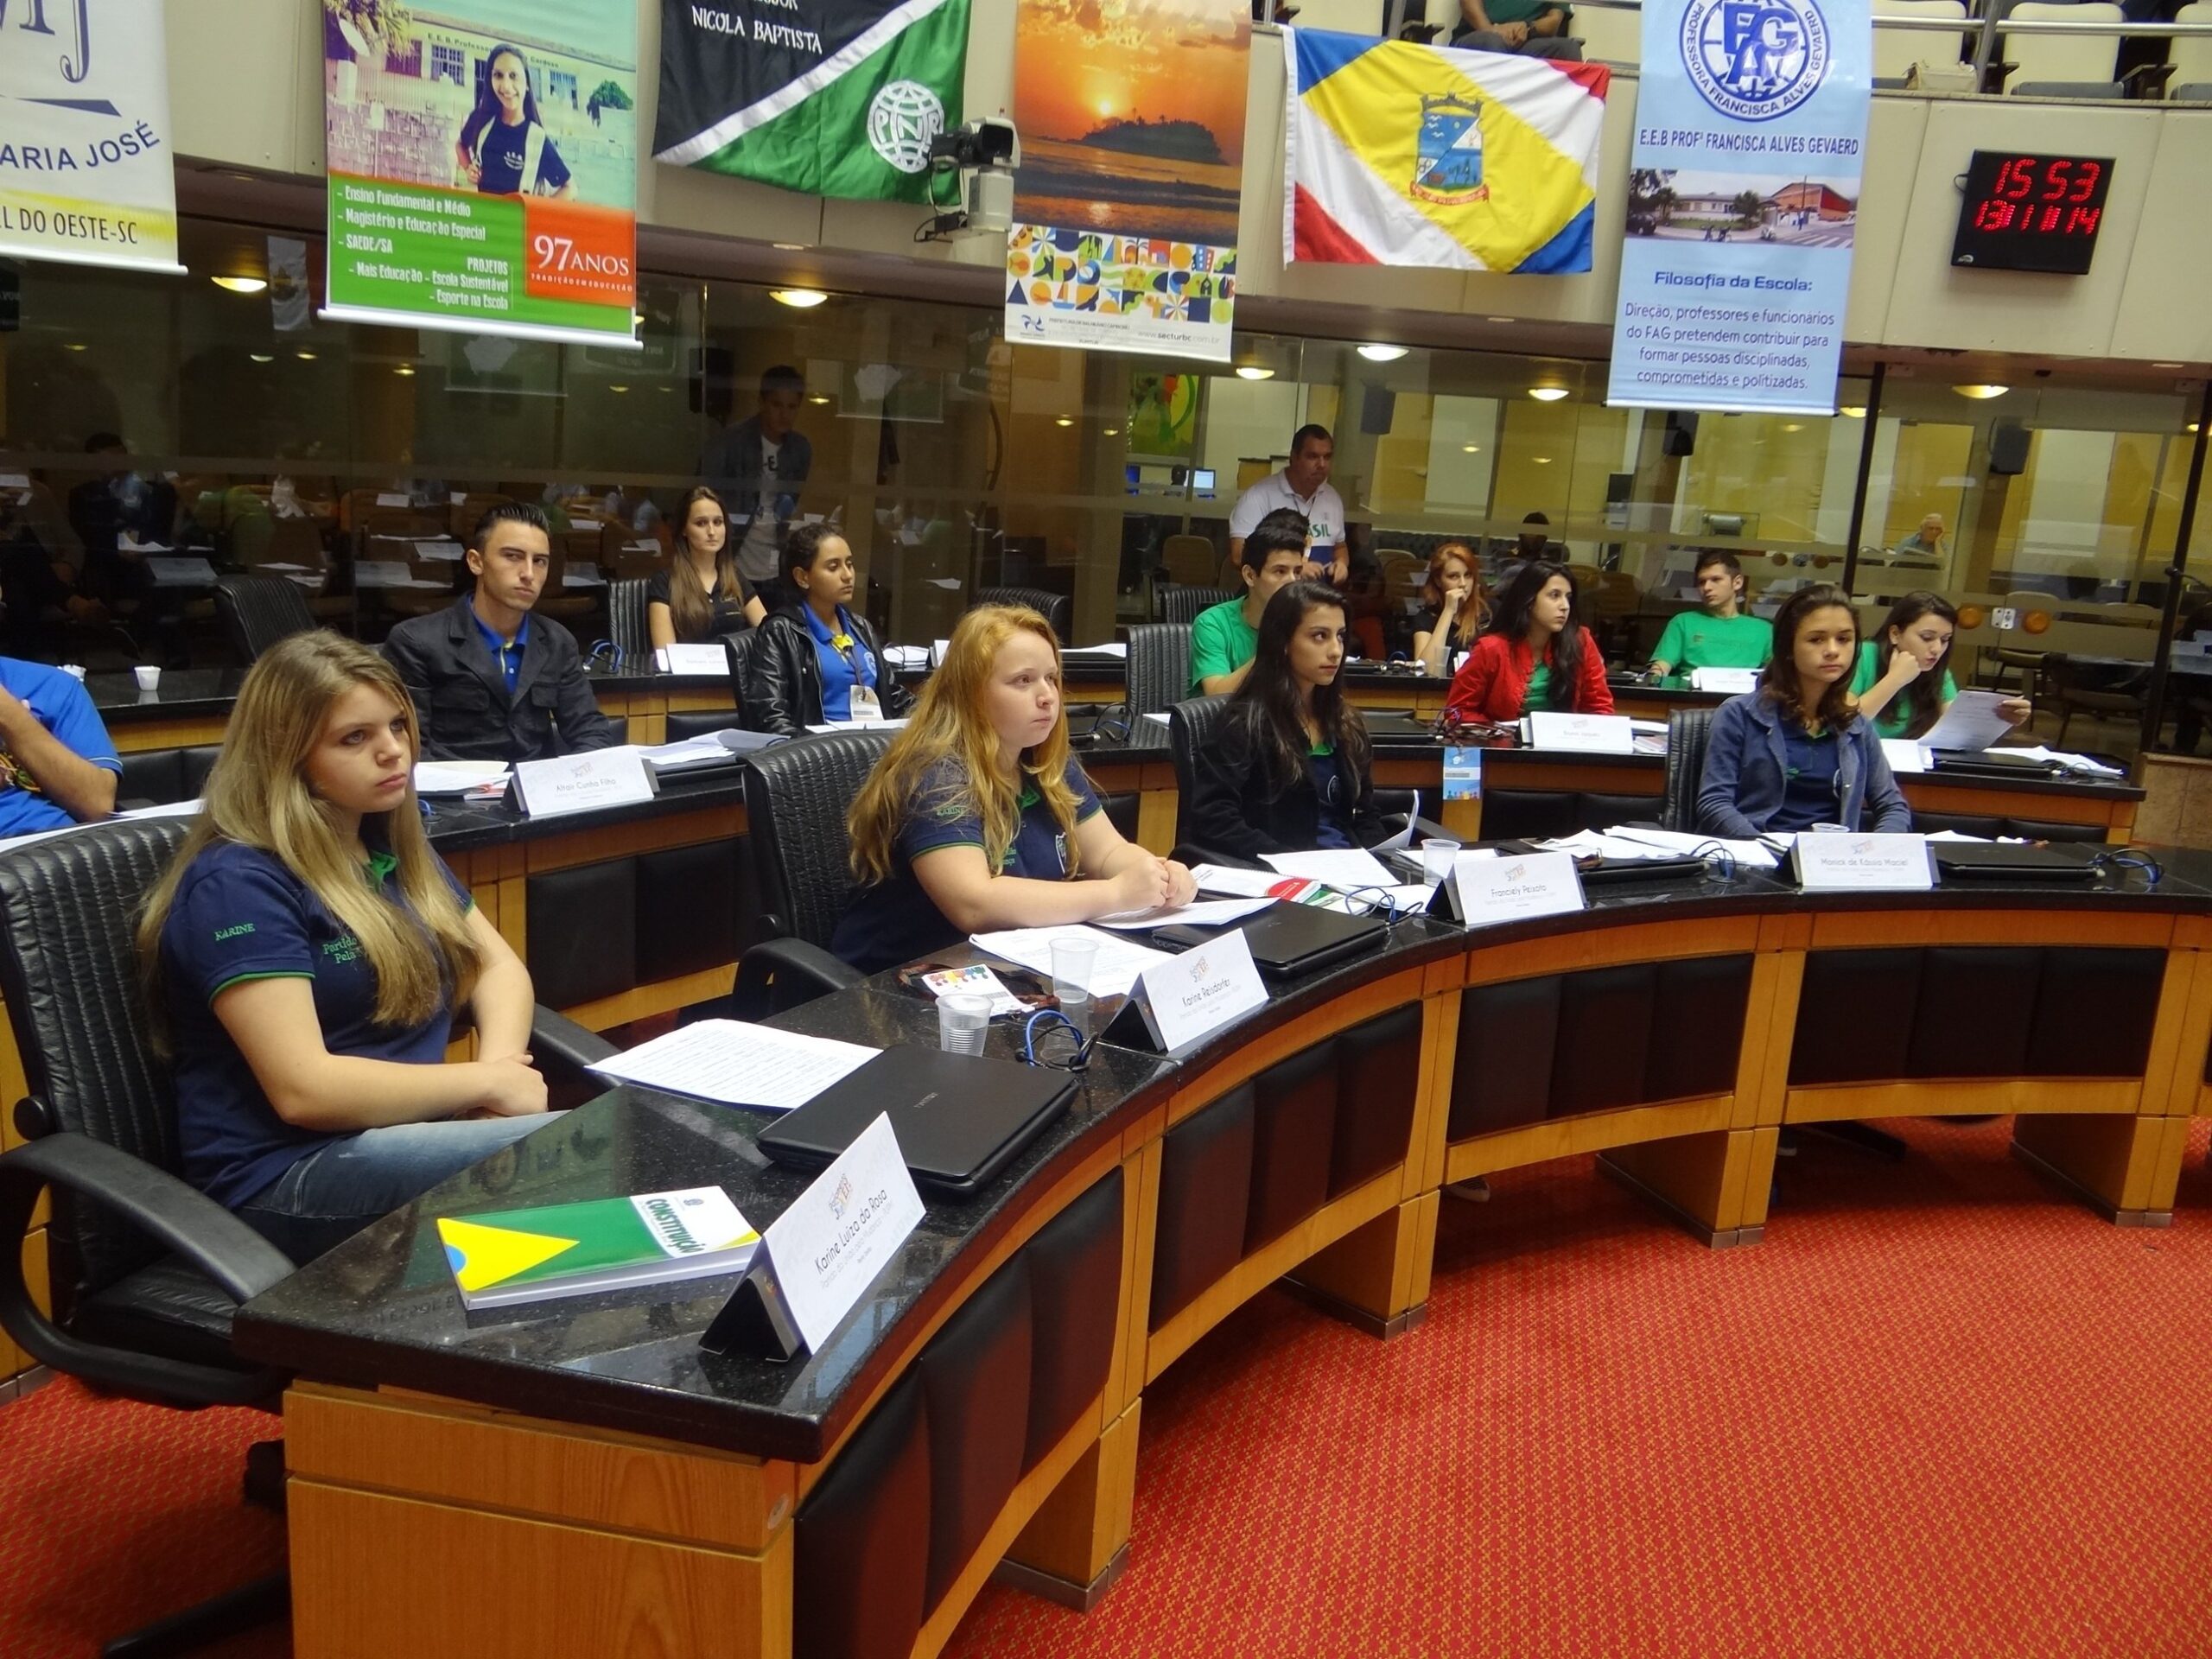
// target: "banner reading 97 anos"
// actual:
[[483, 168]]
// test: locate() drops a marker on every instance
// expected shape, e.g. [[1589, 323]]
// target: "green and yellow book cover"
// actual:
[[565, 1250]]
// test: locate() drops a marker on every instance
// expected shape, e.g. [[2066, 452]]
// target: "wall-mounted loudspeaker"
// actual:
[[2008, 449], [1681, 432], [1376, 408]]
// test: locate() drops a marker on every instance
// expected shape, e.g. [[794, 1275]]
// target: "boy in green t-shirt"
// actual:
[[1224, 638], [1720, 634]]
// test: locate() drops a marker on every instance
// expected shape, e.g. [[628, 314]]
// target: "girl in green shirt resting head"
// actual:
[[1908, 694]]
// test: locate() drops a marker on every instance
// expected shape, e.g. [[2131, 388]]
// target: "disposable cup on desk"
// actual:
[[149, 678], [1074, 961], [1436, 856], [962, 1020]]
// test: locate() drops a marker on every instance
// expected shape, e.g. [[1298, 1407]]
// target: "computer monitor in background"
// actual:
[[1202, 482]]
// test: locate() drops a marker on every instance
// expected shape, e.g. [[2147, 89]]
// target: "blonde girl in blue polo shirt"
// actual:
[[304, 955], [977, 818]]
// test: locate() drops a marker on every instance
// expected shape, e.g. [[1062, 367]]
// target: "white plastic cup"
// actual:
[[961, 1019], [74, 670], [147, 675], [1436, 856], [1073, 962]]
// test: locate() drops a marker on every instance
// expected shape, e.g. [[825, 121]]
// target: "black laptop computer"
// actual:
[[1288, 940], [960, 1118], [2059, 861]]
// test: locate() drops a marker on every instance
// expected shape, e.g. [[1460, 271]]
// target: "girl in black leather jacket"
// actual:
[[816, 661]]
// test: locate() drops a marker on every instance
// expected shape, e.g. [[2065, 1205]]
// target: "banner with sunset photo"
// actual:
[[1132, 120]]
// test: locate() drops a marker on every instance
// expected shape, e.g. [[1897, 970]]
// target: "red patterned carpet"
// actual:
[[1941, 1412]]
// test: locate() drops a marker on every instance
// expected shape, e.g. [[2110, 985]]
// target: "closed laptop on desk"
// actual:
[[2064, 861], [1288, 939], [960, 1118]]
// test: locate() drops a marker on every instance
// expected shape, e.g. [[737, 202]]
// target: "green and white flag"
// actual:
[[839, 99]]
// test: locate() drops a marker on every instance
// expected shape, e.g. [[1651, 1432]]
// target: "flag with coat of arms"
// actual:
[[1408, 155]]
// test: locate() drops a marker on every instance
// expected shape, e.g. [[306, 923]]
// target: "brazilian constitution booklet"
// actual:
[[565, 1250]]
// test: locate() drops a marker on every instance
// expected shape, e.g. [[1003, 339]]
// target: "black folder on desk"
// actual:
[[960, 1118], [2061, 861]]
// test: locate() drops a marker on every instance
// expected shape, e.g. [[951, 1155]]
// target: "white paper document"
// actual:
[[460, 777], [867, 723], [1404, 837], [447, 552], [690, 754], [167, 809], [182, 572], [1203, 912], [2072, 762], [736, 1063], [1584, 844], [1905, 756], [1119, 648], [1239, 883], [1970, 722], [914, 658], [1581, 734], [692, 659], [1342, 868], [1751, 854], [1162, 719], [1115, 968]]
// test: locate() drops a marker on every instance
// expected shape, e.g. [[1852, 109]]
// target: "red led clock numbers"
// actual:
[[2031, 212]]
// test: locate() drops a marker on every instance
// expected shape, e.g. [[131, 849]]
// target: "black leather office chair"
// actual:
[[1181, 602], [146, 1271], [625, 621], [738, 646], [259, 611], [1057, 609], [1688, 730], [1160, 666], [162, 777], [795, 796]]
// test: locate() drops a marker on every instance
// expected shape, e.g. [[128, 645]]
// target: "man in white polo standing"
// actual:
[[1304, 487]]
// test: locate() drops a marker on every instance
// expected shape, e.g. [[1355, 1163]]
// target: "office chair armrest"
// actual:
[[206, 1235], [779, 973], [555, 1036]]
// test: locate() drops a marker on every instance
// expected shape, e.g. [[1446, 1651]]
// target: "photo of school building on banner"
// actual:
[[1742, 200], [85, 174], [1125, 202], [483, 166]]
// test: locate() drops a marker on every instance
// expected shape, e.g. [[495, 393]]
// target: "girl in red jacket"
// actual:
[[1536, 654]]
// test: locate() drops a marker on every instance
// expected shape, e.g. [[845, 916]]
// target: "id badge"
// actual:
[[864, 704]]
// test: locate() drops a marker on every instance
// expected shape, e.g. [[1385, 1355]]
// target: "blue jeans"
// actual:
[[344, 1185]]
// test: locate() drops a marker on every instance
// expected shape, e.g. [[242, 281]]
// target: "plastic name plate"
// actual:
[[693, 660], [1833, 862], [819, 1257], [1733, 681], [1495, 888], [1581, 734], [1200, 990], [582, 782]]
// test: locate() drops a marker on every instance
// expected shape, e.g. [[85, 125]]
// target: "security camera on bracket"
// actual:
[[980, 158]]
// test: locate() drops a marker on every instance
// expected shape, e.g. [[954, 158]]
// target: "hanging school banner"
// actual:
[[1131, 167], [1750, 127], [483, 167], [85, 171], [1407, 154], [841, 100]]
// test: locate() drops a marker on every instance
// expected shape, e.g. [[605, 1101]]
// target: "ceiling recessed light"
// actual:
[[1382, 353], [2165, 365], [262, 357], [304, 357], [1113, 431], [819, 397], [1470, 449], [1793, 426], [618, 388], [1853, 411], [1062, 420], [789, 247], [404, 368], [801, 299], [76, 346], [1497, 319], [1255, 371], [241, 284], [1547, 394], [1541, 460], [1981, 391], [2192, 427]]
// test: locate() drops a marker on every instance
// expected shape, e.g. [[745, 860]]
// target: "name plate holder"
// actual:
[[583, 782], [1496, 887], [818, 1258], [1196, 992], [709, 662], [1833, 861], [1550, 732]]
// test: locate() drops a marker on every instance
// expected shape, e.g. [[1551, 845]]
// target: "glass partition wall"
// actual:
[[954, 460]]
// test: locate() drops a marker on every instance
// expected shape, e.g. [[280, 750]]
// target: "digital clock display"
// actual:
[[2031, 212]]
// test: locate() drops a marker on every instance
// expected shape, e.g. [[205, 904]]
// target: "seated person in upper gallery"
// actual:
[[1925, 542], [816, 661], [700, 596], [58, 765], [1720, 633], [1531, 28], [1224, 636], [1536, 654], [1458, 608], [1796, 753], [1902, 677], [1289, 767], [977, 818], [306, 996], [490, 681]]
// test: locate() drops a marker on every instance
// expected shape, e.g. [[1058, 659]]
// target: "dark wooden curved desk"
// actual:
[[587, 1480]]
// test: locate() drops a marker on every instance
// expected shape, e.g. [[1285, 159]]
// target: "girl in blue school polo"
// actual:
[[977, 818], [304, 955]]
